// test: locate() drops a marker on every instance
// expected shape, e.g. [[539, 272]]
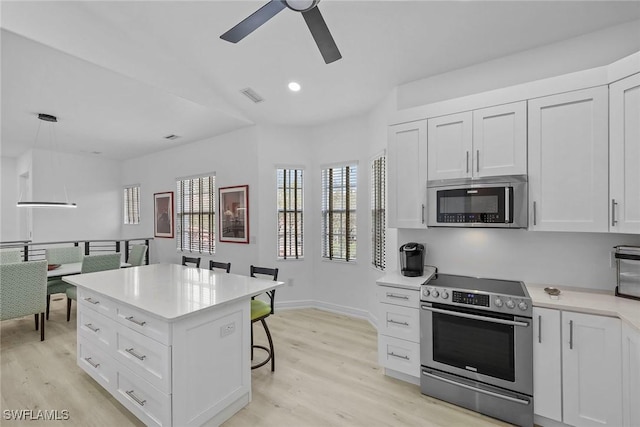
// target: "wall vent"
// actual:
[[171, 137], [252, 95]]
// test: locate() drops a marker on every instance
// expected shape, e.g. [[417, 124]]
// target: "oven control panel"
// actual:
[[468, 298], [485, 301]]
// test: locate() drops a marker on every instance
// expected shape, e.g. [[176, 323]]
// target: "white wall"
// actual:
[[579, 53], [232, 157], [564, 259], [9, 225]]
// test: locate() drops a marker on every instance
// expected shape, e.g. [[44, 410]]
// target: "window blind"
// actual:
[[339, 191], [378, 211], [290, 200], [195, 214], [131, 204]]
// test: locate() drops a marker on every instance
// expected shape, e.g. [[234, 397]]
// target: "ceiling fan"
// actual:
[[311, 15]]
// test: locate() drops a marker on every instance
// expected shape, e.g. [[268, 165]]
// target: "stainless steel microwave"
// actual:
[[499, 202]]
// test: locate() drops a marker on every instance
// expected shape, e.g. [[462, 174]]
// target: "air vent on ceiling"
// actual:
[[171, 137], [252, 95]]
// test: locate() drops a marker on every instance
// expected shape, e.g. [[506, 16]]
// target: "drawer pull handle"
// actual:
[[390, 295], [132, 352], [137, 322], [398, 356], [90, 326], [91, 300], [92, 363], [398, 323], [132, 395]]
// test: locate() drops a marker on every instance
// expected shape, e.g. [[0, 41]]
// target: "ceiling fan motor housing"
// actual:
[[301, 5]]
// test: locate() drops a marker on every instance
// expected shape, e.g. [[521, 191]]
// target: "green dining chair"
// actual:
[[136, 255], [91, 264], [10, 256], [260, 310], [23, 288], [62, 255]]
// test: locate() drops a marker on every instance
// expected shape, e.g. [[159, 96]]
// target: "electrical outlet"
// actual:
[[227, 329], [290, 282]]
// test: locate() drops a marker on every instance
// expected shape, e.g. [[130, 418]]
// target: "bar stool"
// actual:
[[221, 265], [191, 260], [260, 310]]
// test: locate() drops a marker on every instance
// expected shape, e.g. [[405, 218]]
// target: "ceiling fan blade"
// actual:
[[253, 21], [321, 35]]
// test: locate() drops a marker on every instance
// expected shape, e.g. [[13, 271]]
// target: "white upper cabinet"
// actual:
[[500, 140], [486, 142], [624, 149], [568, 161], [450, 146], [407, 178]]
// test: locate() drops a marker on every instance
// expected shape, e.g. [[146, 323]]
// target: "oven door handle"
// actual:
[[476, 317], [478, 390]]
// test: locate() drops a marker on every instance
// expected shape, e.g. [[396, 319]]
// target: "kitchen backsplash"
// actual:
[[569, 259]]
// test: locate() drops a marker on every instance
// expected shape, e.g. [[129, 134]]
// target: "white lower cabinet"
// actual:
[[547, 369], [577, 374], [630, 376], [399, 332]]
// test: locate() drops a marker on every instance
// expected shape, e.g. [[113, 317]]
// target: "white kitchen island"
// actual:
[[171, 343]]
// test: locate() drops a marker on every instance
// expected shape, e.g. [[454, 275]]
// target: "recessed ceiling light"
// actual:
[[294, 86]]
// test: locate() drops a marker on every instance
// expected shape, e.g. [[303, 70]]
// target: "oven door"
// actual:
[[492, 348]]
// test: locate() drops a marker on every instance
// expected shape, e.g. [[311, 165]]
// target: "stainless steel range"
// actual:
[[476, 347]]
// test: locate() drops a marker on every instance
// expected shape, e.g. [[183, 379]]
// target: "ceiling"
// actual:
[[122, 75]]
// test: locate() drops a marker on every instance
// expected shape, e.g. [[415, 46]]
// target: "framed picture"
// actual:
[[234, 214], [163, 210]]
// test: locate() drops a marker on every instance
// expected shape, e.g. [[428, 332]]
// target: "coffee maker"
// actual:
[[412, 259]]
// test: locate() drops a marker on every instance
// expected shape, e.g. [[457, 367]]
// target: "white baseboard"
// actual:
[[334, 308]]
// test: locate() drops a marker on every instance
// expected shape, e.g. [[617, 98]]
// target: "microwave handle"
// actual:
[[507, 212]]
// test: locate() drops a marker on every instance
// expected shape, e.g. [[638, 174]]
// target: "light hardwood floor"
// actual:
[[326, 375]]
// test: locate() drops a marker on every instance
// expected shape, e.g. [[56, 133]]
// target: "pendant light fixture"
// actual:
[[50, 120]]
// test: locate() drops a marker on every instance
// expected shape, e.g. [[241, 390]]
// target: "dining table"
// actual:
[[71, 268]]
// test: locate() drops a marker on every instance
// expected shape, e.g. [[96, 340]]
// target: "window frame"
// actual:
[[205, 217], [127, 200], [347, 214], [298, 233]]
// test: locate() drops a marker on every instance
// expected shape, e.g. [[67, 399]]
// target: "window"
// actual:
[[195, 214], [339, 190], [290, 201], [378, 219], [132, 204]]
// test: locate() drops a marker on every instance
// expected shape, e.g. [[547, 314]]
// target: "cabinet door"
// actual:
[[407, 162], [547, 364], [500, 140], [624, 146], [568, 161], [592, 380], [450, 146], [630, 376]]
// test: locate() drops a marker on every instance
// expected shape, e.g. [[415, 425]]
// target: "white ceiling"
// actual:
[[121, 75]]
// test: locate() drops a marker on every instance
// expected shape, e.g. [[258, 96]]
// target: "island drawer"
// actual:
[[97, 363], [143, 323], [147, 403], [145, 357], [96, 328], [96, 302]]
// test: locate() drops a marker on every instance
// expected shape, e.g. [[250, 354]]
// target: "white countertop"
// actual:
[[170, 290], [588, 301], [397, 280]]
